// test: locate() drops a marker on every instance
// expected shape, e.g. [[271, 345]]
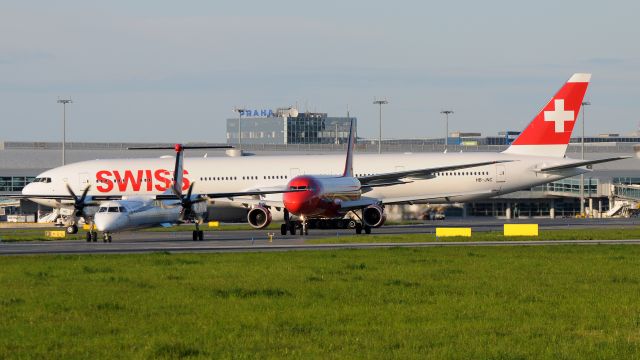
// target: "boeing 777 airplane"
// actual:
[[536, 157]]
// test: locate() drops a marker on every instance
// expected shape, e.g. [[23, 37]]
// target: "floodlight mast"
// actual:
[[380, 103], [64, 103], [446, 135], [240, 111], [584, 105]]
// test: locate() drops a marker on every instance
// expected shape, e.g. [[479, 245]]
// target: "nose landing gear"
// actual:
[[197, 235]]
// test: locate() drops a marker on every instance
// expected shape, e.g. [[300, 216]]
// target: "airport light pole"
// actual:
[[584, 108], [240, 111], [446, 135], [64, 103], [380, 103]]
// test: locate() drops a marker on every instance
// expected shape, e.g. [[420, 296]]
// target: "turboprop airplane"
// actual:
[[144, 211], [536, 157]]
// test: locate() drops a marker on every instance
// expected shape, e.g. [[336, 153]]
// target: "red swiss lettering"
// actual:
[[148, 179], [104, 183], [128, 178], [161, 175]]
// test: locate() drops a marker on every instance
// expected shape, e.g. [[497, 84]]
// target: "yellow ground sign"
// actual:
[[86, 227], [214, 223], [451, 231], [55, 234], [520, 229]]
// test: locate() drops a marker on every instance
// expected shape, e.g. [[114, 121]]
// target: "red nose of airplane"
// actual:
[[301, 202]]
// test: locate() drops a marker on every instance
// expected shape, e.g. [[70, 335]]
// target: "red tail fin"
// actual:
[[549, 132]]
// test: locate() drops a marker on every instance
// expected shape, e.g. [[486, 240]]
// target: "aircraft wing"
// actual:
[[394, 178], [581, 163], [253, 202], [232, 195], [63, 197], [364, 202]]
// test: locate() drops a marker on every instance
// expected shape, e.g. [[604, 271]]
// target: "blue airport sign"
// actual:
[[257, 113]]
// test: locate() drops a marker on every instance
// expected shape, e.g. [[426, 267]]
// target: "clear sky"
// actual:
[[174, 70]]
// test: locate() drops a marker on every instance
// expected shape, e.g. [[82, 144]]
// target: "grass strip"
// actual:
[[438, 303]]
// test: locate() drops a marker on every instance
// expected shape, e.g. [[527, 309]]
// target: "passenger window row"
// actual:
[[462, 173], [227, 178]]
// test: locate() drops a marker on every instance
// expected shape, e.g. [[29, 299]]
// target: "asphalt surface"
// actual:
[[236, 241]]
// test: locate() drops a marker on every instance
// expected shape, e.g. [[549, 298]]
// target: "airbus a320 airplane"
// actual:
[[536, 157]]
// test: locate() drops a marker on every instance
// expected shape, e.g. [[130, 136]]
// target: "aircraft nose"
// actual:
[[298, 203], [109, 222], [28, 189]]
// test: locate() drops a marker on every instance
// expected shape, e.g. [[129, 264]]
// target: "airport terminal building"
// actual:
[[287, 126]]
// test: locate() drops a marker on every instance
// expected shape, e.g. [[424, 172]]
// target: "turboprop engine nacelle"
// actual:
[[259, 217], [374, 216]]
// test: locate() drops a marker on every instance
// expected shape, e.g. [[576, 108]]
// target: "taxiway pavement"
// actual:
[[255, 240]]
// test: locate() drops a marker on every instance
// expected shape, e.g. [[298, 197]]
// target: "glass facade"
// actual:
[[14, 183], [317, 128], [570, 185], [305, 128]]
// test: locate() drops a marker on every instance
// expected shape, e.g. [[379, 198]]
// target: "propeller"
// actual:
[[79, 203], [187, 202]]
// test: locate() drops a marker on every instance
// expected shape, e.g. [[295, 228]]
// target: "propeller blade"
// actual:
[[84, 193], [190, 191], [199, 200], [75, 198]]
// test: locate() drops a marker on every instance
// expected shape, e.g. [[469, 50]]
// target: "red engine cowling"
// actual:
[[374, 216], [259, 217]]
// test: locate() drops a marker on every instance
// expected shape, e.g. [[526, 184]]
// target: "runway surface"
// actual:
[[254, 240]]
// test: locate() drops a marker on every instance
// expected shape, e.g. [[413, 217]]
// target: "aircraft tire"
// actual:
[[358, 228], [88, 236], [200, 235], [292, 228], [283, 229], [367, 229], [194, 235], [72, 229], [94, 236]]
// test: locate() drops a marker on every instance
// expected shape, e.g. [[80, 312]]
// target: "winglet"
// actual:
[[348, 166]]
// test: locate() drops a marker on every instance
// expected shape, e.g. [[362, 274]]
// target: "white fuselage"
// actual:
[[114, 216], [232, 174]]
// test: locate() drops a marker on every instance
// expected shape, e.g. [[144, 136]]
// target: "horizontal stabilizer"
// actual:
[[447, 196], [581, 163]]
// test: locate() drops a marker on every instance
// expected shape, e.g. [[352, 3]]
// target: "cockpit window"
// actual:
[[102, 209], [43, 179], [122, 209], [113, 209], [302, 187]]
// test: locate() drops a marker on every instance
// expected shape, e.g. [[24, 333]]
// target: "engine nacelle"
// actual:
[[259, 217], [374, 216]]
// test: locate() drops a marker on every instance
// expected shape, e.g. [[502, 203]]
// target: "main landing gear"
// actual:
[[198, 235], [92, 236], [302, 226]]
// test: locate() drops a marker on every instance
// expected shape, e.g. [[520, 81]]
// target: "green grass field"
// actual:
[[568, 302]]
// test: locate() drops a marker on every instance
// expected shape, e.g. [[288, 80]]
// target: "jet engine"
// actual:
[[259, 217], [374, 216]]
